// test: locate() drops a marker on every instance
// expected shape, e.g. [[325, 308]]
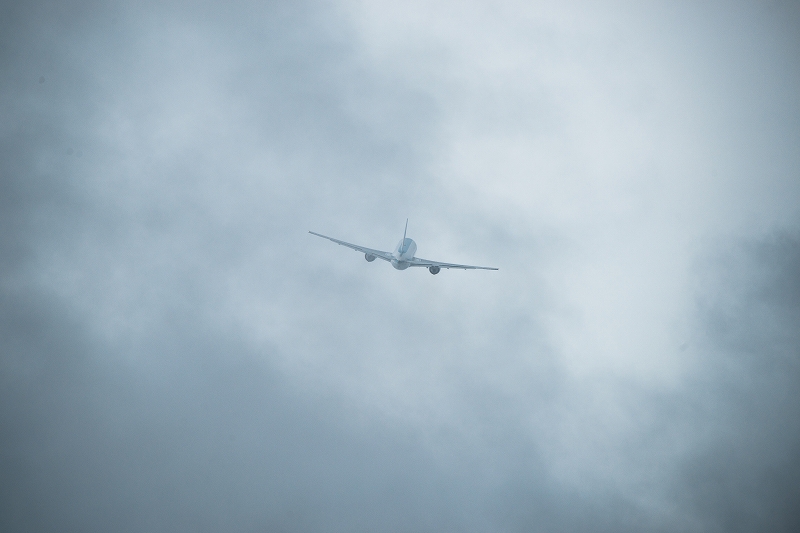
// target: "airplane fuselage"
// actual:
[[403, 253]]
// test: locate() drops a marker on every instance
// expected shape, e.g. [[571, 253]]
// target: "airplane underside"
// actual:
[[400, 265]]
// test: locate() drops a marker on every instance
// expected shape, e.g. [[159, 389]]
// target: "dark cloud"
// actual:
[[744, 479], [208, 438]]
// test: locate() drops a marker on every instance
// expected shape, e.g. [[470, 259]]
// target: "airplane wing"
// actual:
[[419, 262], [386, 256]]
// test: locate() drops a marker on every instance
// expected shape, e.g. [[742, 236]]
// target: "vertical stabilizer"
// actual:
[[404, 232]]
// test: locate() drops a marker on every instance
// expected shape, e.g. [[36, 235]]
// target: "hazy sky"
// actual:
[[178, 354]]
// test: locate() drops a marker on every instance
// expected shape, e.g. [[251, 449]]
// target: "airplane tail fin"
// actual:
[[405, 231]]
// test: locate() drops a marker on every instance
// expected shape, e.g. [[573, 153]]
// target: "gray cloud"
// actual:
[[178, 353], [743, 476]]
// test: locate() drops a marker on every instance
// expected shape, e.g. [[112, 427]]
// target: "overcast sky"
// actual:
[[177, 353]]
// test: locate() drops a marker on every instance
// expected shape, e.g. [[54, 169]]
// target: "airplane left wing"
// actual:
[[386, 256], [419, 262]]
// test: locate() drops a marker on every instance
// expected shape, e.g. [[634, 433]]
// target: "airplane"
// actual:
[[403, 255]]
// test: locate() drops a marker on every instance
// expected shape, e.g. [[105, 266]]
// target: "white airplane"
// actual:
[[403, 255]]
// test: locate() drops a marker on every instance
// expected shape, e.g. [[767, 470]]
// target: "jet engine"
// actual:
[[369, 257], [434, 269]]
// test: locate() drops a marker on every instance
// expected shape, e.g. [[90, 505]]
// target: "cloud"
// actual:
[[177, 352], [741, 477]]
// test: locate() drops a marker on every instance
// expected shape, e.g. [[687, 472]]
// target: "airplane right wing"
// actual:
[[386, 256], [419, 262]]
